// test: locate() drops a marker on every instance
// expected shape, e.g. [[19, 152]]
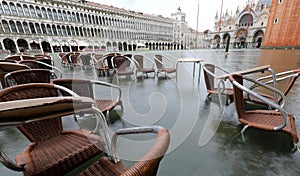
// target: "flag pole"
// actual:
[[220, 19], [197, 25]]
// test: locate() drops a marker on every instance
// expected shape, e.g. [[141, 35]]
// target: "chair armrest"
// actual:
[[158, 149], [109, 85], [6, 161], [162, 64], [270, 103], [153, 64], [282, 76]]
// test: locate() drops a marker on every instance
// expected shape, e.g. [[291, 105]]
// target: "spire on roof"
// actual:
[[179, 9]]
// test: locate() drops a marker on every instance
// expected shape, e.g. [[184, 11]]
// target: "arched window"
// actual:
[[6, 8], [90, 19], [55, 14], [84, 32], [92, 32], [50, 14], [5, 26], [59, 15], [31, 26], [26, 10], [44, 29], [26, 28], [13, 9], [81, 32], [76, 31], [77, 17], [73, 17], [32, 11], [85, 18], [73, 31], [44, 13], [20, 28], [49, 29], [13, 27], [68, 31], [38, 28], [69, 16], [54, 30], [65, 16], [64, 31], [59, 30], [245, 20], [38, 12]]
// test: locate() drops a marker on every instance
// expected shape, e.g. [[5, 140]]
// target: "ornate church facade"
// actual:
[[244, 28]]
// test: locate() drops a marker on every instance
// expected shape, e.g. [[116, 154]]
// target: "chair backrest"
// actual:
[[109, 59], [82, 87], [13, 57], [139, 61], [158, 64], [27, 57], [34, 131], [73, 58], [27, 76], [6, 67], [238, 95], [120, 62], [209, 79], [85, 59]]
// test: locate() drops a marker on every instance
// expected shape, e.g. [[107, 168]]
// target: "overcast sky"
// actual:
[[207, 8]]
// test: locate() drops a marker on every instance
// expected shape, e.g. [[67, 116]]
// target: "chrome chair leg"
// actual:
[[242, 132]]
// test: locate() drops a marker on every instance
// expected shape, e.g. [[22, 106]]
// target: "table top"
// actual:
[[247, 71], [189, 60]]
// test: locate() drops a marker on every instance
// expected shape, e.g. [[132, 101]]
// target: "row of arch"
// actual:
[[65, 46], [66, 30], [240, 39], [25, 10]]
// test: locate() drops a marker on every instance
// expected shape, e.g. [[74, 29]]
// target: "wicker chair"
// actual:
[[210, 78], [86, 60], [100, 65], [287, 78], [145, 166], [6, 67], [37, 64], [28, 76], [270, 120], [36, 111], [84, 87], [120, 66], [108, 59], [74, 61], [161, 67], [139, 63]]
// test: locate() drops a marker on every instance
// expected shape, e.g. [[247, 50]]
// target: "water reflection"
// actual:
[[185, 109]]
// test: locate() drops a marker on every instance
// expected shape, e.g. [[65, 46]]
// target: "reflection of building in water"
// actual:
[[283, 30], [245, 28], [61, 25]]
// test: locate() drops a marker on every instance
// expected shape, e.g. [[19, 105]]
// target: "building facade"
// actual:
[[69, 25], [180, 30], [283, 29], [244, 29]]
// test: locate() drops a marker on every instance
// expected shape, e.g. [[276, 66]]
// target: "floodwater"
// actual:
[[182, 107]]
